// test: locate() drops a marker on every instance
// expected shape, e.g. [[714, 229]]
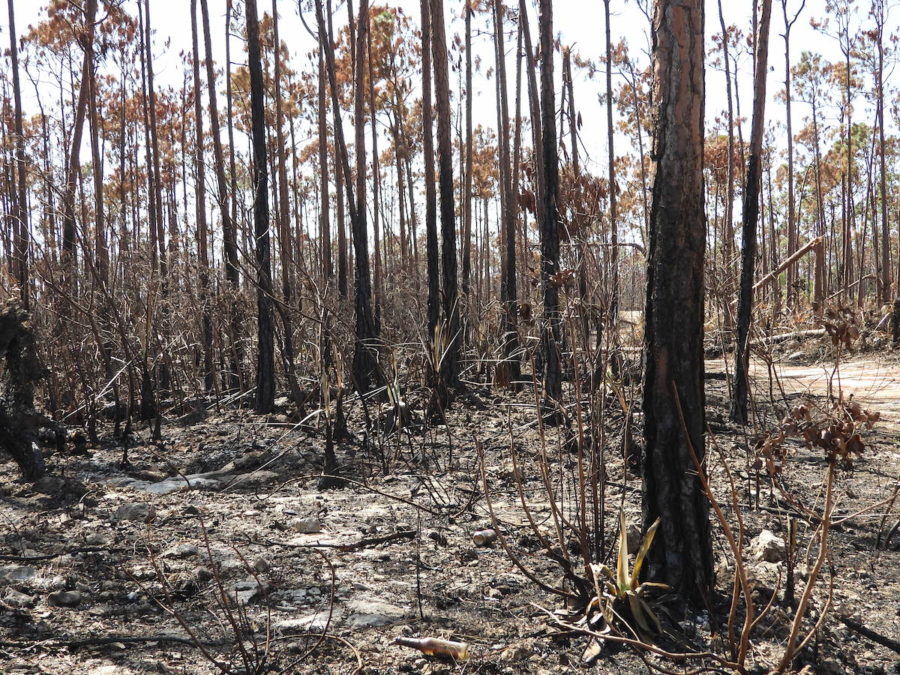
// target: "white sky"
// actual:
[[578, 22]]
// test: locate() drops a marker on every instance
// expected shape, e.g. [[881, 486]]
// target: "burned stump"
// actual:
[[19, 370]]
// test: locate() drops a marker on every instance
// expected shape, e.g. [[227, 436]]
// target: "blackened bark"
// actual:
[[431, 241], [229, 231], [202, 227], [673, 401], [157, 220], [73, 162], [265, 360], [508, 369], [751, 219], [18, 419], [365, 367], [20, 194], [286, 307], [324, 215], [550, 329], [467, 186], [450, 362]]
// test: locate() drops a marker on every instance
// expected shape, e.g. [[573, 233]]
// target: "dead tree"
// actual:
[[751, 218], [265, 368], [19, 421]]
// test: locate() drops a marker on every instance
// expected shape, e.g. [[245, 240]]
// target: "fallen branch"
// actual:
[[51, 556], [788, 262], [883, 640], [109, 640], [345, 548]]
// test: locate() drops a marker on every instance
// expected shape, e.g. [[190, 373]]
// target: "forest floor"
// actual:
[[106, 569]]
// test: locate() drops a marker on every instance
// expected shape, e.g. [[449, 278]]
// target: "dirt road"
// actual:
[[874, 382]]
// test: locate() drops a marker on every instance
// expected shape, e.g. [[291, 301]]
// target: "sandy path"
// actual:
[[874, 383]]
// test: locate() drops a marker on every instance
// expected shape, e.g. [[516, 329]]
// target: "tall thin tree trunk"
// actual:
[[431, 241], [820, 274], [265, 364], [286, 242], [377, 237], [364, 362], [229, 226], [508, 369], [467, 184], [338, 172], [154, 145], [450, 363], [611, 168], [751, 218], [73, 163], [534, 103], [849, 210], [793, 238], [365, 367], [550, 328], [885, 285], [728, 230], [20, 194], [232, 167], [200, 205], [324, 214]]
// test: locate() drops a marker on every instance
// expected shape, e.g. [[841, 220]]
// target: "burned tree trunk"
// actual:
[[751, 218], [19, 421], [673, 405]]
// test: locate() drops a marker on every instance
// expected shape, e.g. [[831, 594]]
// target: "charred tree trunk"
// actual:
[[20, 194], [286, 307], [202, 227], [324, 215], [378, 239], [751, 219], [673, 401], [467, 183], [265, 363], [365, 367], [431, 241], [157, 219], [550, 329], [19, 421], [450, 361], [508, 370], [229, 228], [73, 163]]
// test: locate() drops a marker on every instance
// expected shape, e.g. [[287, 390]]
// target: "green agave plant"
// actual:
[[623, 586]]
